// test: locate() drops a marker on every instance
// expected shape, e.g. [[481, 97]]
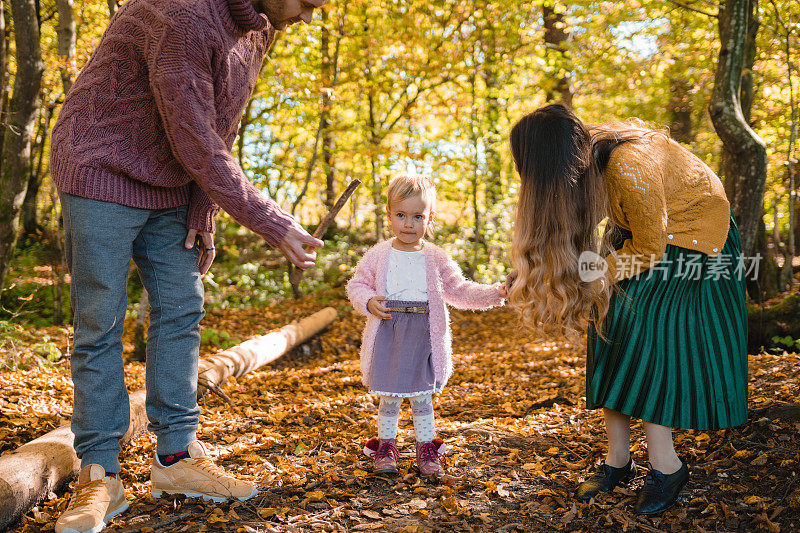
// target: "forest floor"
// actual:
[[513, 416]]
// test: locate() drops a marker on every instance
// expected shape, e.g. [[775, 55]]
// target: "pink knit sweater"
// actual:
[[151, 119], [446, 284]]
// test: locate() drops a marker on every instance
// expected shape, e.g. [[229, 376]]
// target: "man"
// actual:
[[141, 158]]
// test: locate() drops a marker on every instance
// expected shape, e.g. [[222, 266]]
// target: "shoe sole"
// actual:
[[103, 524], [624, 481], [207, 497], [584, 499], [669, 506], [651, 513]]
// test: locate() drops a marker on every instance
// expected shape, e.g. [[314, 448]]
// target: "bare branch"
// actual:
[[690, 8]]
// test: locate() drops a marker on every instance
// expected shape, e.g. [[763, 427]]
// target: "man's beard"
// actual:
[[273, 13]]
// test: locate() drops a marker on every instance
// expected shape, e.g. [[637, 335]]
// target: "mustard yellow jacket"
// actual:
[[664, 195]]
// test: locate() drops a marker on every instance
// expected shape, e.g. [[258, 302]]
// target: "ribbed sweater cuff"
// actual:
[[272, 224], [202, 218]]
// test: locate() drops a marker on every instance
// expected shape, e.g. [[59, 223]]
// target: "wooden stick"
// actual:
[[161, 524], [296, 274], [208, 386], [348, 192]]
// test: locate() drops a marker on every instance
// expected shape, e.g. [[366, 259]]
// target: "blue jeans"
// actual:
[[101, 239]]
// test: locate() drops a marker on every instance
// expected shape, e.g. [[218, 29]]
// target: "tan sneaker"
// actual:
[[97, 499], [198, 477]]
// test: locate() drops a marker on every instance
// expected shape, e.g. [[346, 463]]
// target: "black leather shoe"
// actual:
[[660, 492], [604, 479]]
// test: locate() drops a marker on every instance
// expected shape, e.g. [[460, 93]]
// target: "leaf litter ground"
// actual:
[[513, 416]]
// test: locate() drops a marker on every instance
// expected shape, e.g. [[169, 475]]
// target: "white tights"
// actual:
[[421, 409]]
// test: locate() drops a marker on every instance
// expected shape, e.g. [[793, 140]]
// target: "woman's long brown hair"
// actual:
[[562, 202]]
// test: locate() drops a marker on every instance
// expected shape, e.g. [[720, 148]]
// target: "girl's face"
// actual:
[[410, 219]]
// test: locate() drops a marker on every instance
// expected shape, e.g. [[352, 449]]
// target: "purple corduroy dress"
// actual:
[[403, 362]]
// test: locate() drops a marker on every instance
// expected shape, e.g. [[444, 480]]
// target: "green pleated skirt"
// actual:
[[676, 349]]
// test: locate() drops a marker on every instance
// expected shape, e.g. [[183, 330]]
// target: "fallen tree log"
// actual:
[[46, 464], [258, 351], [776, 318]]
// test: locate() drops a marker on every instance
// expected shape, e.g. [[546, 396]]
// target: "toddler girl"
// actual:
[[402, 285]]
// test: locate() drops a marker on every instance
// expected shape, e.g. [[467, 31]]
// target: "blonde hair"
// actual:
[[563, 204], [563, 210], [406, 185]]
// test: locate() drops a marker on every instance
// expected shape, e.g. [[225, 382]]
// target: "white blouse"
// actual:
[[406, 279]]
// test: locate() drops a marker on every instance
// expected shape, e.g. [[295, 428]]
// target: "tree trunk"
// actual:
[[332, 65], [16, 162], [112, 7], [791, 241], [66, 43], [679, 109], [787, 274], [492, 139], [796, 224], [327, 71], [377, 188], [58, 296], [3, 69], [764, 285], [30, 214], [679, 106], [33, 470], [60, 264], [776, 224], [375, 178], [557, 35], [475, 138], [745, 156], [373, 142]]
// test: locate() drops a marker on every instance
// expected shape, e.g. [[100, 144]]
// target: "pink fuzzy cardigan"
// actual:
[[446, 284]]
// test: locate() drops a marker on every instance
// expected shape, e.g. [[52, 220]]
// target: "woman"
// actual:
[[667, 339]]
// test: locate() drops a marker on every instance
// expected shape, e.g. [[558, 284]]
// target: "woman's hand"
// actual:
[[208, 251], [375, 307], [510, 281]]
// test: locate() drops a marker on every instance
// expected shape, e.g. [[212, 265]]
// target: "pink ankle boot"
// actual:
[[385, 454], [430, 457]]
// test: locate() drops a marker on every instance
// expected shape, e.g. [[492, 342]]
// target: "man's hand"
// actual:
[[207, 253], [293, 247], [375, 307]]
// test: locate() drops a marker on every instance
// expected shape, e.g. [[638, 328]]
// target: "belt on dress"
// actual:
[[414, 309]]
